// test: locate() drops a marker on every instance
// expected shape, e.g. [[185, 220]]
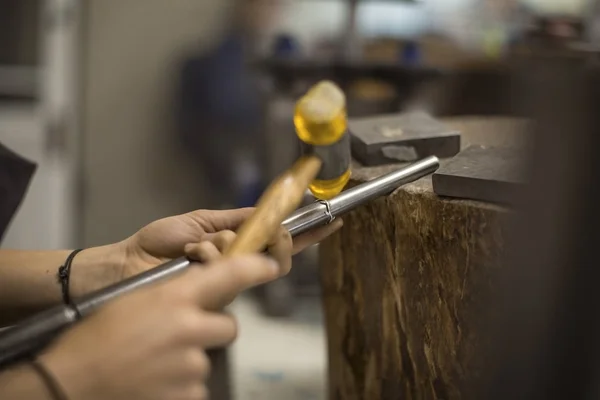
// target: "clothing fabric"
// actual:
[[16, 173], [221, 117]]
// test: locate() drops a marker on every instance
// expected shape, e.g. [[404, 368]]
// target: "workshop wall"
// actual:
[[558, 6], [134, 172], [313, 20]]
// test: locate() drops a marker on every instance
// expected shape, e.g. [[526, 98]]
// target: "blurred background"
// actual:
[[139, 109]]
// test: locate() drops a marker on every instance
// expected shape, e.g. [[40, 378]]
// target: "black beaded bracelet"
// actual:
[[56, 392], [64, 276]]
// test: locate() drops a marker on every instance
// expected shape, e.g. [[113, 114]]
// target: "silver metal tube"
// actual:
[[35, 332], [90, 303], [322, 212], [307, 218], [381, 186]]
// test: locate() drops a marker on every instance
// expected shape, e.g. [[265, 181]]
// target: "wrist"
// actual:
[[96, 268], [75, 380], [22, 382]]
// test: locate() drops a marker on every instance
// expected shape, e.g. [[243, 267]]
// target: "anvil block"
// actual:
[[492, 174], [401, 138]]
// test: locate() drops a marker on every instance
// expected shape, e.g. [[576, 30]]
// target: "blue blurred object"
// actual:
[[250, 194], [286, 46], [411, 54], [220, 115], [217, 85]]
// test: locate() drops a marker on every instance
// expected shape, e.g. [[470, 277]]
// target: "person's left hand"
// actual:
[[202, 236]]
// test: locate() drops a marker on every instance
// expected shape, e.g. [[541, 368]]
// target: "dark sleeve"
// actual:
[[215, 89], [15, 176]]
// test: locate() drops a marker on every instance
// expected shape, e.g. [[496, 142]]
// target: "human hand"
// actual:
[[167, 238], [150, 344]]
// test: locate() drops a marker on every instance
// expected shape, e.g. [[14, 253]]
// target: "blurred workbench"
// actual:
[[405, 281]]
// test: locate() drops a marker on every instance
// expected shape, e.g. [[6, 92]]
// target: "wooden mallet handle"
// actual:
[[281, 198]]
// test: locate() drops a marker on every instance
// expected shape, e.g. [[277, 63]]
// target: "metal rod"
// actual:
[[36, 332], [361, 194]]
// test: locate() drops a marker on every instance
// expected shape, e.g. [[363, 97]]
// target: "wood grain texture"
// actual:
[[403, 285]]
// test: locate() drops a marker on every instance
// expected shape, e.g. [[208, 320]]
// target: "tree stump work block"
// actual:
[[404, 282]]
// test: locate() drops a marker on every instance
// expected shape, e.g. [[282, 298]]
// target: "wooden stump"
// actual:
[[404, 283]]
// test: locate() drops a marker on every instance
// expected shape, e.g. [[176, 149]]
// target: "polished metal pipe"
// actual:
[[323, 212], [384, 185], [36, 332]]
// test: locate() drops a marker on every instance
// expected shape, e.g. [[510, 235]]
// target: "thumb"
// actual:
[[217, 284]]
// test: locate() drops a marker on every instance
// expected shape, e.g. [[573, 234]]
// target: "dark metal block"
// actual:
[[493, 174], [401, 138]]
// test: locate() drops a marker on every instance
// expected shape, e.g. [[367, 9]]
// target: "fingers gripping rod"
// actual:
[[36, 332]]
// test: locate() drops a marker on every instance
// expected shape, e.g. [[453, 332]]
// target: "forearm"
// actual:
[[22, 383], [29, 283]]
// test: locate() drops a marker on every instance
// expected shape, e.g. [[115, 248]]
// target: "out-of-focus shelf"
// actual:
[[372, 1], [19, 82], [286, 71], [352, 70], [354, 77]]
